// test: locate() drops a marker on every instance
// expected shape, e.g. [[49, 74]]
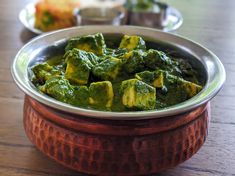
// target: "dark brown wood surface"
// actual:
[[210, 23]]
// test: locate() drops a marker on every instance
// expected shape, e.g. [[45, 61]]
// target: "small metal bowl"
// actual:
[[117, 143], [100, 16], [165, 18], [149, 18]]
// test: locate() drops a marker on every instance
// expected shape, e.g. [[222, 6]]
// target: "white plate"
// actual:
[[27, 17]]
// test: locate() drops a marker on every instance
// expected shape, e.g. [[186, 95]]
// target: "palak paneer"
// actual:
[[131, 77]]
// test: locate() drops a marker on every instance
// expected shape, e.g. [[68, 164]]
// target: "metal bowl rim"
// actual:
[[183, 107]]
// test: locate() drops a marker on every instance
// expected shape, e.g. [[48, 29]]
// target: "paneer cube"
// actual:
[[168, 82], [157, 59], [42, 72], [126, 56], [132, 43], [101, 94], [90, 43], [58, 88], [116, 52], [155, 79], [179, 85], [176, 90], [158, 81], [138, 95], [80, 96], [191, 88], [133, 61], [78, 67], [108, 69], [83, 54]]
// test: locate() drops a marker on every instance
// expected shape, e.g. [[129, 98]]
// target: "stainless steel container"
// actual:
[[101, 16], [149, 18]]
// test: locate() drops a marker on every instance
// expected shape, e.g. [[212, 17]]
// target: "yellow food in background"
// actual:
[[55, 14]]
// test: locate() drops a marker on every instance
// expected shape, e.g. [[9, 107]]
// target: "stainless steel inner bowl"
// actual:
[[211, 69]]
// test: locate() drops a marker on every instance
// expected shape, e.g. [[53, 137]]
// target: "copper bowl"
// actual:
[[112, 143]]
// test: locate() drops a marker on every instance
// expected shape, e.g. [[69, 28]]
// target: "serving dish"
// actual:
[[109, 143]]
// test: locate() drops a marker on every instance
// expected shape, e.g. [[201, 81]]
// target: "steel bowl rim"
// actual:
[[185, 106]]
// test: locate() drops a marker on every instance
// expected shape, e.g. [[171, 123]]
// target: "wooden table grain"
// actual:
[[210, 23]]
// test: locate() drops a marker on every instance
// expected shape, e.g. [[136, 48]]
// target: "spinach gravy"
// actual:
[[131, 77]]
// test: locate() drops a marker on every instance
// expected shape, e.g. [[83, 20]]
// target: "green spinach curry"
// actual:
[[128, 78]]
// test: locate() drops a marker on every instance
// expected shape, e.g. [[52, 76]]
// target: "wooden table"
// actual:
[[211, 23]]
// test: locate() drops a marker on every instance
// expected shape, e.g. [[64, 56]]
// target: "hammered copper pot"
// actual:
[[111, 143], [106, 147]]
